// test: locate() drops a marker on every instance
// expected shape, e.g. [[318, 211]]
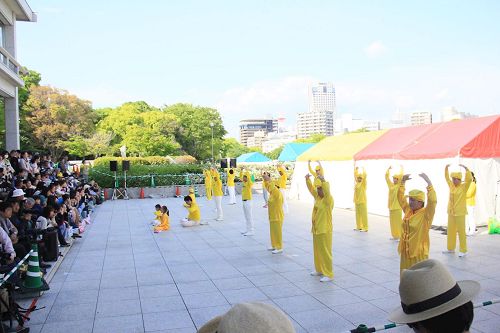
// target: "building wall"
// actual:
[[249, 127], [421, 118], [310, 123]]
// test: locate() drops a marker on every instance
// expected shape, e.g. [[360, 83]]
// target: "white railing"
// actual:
[[8, 60]]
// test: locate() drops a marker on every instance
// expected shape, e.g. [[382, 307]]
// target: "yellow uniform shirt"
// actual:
[[216, 184], [208, 178], [282, 180], [393, 203], [359, 188], [230, 178], [193, 197], [194, 212], [471, 195], [414, 241], [157, 215], [246, 190], [458, 195], [275, 204], [322, 211], [164, 223]]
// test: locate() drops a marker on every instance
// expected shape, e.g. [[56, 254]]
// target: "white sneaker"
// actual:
[[219, 219], [325, 279], [462, 254], [314, 273], [271, 248], [449, 251], [277, 251], [250, 233], [203, 222]]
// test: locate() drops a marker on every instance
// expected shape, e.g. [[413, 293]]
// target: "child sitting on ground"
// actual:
[[194, 213], [164, 220], [157, 213]]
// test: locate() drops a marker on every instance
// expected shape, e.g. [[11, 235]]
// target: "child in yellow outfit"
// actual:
[[457, 209], [217, 193], [395, 211], [194, 216], [282, 184], [276, 215], [164, 220], [157, 213], [414, 243], [360, 200], [322, 228], [208, 184]]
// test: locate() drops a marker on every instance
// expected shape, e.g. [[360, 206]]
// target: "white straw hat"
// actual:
[[250, 318], [18, 193], [428, 290]]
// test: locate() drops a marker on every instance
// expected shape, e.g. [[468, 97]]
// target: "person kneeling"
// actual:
[[164, 220], [194, 215]]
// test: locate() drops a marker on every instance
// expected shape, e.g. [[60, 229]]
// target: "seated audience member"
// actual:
[[433, 302], [250, 318]]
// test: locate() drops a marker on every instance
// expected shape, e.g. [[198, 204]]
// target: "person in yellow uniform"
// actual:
[[276, 215], [414, 242], [282, 184], [157, 213], [230, 186], [317, 172], [194, 215], [246, 196], [265, 185], [208, 184], [395, 211], [471, 204], [322, 228], [164, 220], [457, 209], [217, 193], [360, 200]]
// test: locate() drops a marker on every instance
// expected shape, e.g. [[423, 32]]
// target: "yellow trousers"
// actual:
[[406, 262], [456, 224], [396, 219], [361, 217], [323, 254], [275, 228]]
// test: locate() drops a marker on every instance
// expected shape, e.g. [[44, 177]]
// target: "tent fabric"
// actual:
[[340, 148], [291, 151], [254, 157]]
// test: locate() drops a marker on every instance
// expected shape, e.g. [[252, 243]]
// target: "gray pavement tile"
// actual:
[[76, 297], [121, 308], [167, 320], [321, 320], [244, 295], [162, 290], [369, 293], [123, 324], [161, 304], [267, 279], [203, 315], [233, 283], [336, 297], [298, 304], [118, 294], [68, 312], [203, 300], [119, 282], [80, 285], [73, 326], [362, 313], [282, 290], [197, 287]]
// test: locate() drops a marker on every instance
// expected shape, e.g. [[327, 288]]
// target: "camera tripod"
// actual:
[[15, 311]]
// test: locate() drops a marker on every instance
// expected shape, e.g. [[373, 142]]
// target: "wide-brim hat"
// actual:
[[250, 318], [18, 193], [428, 290]]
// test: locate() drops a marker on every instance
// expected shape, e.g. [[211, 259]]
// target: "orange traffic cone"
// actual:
[[177, 191], [141, 193], [105, 190]]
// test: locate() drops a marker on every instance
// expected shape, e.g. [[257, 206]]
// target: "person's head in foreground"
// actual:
[[158, 207], [416, 199], [188, 200], [456, 178], [396, 178], [432, 301], [250, 318], [164, 210]]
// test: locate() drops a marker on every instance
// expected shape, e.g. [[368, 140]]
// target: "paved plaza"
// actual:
[[121, 277]]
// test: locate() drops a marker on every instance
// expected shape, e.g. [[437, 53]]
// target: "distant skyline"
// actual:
[[252, 59]]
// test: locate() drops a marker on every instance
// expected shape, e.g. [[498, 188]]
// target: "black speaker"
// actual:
[[125, 165], [223, 163], [232, 163], [113, 166]]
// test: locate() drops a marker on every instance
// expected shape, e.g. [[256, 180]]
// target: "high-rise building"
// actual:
[[320, 122], [451, 113], [256, 140], [321, 115], [249, 126], [11, 11], [421, 118]]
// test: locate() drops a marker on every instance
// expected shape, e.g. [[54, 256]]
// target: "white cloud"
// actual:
[[375, 49], [442, 94], [104, 96]]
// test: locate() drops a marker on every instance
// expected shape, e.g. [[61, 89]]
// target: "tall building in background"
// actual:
[[11, 11], [421, 118], [248, 127], [451, 113], [321, 115]]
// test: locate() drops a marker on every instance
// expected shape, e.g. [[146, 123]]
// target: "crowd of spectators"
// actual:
[[44, 202]]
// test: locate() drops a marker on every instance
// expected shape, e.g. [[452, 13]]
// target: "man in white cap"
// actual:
[[433, 302], [250, 318]]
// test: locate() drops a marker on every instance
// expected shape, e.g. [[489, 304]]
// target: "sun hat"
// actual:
[[417, 195], [250, 318], [457, 175], [427, 290], [18, 193]]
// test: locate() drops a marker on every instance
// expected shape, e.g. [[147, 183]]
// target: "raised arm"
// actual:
[[311, 171], [430, 208], [401, 194], [468, 176], [447, 175], [310, 186], [387, 178]]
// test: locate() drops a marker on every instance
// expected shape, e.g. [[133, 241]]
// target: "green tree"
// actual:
[[56, 117], [275, 153], [195, 131], [31, 79], [77, 145], [99, 143], [232, 148], [312, 139]]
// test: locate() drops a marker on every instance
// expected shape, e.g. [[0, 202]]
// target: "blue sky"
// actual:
[[255, 58]]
